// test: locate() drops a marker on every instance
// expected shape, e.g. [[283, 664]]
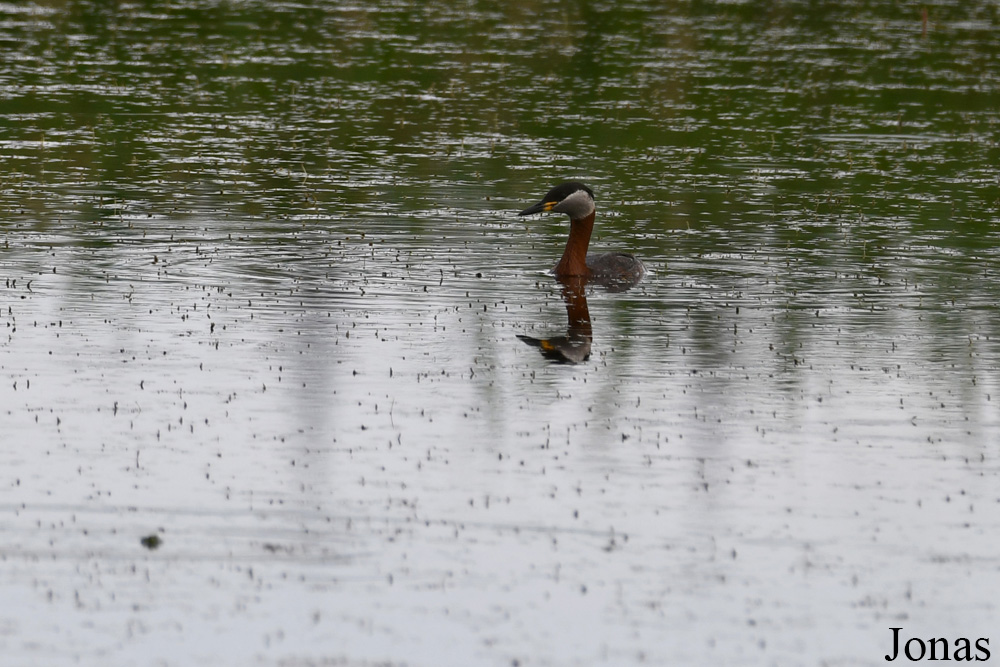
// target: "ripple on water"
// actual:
[[262, 285]]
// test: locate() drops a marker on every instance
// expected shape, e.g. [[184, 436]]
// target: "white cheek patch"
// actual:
[[577, 205]]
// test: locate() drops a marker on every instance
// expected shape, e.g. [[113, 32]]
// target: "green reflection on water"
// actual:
[[681, 115]]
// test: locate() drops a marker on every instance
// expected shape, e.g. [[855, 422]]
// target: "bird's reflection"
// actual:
[[574, 347]]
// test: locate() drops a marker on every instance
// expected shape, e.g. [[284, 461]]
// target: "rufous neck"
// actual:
[[574, 259]]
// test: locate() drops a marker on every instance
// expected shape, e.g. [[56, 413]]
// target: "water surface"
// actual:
[[262, 282]]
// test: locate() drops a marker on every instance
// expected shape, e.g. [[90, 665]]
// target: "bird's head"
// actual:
[[572, 198]]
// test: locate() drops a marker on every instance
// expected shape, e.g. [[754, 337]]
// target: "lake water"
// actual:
[[261, 285]]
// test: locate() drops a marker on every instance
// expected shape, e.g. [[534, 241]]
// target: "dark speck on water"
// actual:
[[151, 542]]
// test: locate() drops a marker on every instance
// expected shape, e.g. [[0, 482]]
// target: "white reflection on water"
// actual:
[[347, 451]]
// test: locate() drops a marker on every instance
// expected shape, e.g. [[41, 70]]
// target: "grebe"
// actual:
[[577, 201]]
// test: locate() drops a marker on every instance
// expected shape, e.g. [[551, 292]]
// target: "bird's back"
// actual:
[[615, 265]]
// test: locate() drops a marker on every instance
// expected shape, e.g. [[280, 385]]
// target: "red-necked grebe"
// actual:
[[577, 201]]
